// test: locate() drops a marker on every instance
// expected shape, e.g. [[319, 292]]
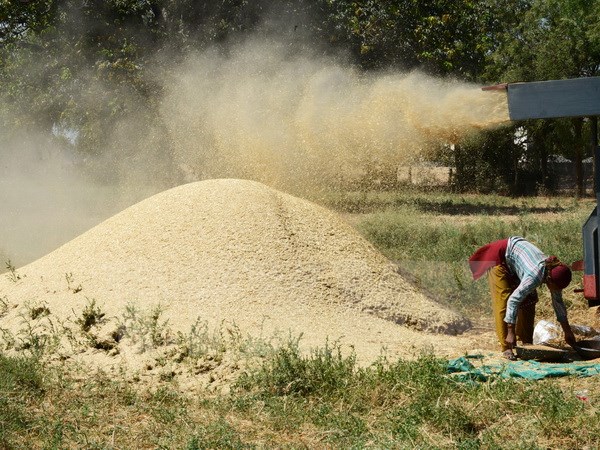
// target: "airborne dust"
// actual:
[[292, 120], [288, 119]]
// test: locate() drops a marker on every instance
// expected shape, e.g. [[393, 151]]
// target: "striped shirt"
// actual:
[[527, 262]]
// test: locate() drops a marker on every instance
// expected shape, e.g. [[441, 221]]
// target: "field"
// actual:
[[431, 235], [325, 399]]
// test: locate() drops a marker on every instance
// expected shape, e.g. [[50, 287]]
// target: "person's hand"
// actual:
[[511, 339], [569, 336]]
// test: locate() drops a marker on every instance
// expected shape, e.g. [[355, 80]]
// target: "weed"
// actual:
[[33, 337], [146, 329], [21, 382], [71, 283], [434, 252], [8, 338], [314, 400], [3, 305], [40, 332], [219, 434], [167, 405], [248, 345], [37, 312], [12, 272], [199, 342], [319, 399], [554, 410], [288, 372], [92, 315]]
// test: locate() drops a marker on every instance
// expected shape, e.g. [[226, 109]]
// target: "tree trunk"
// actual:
[[542, 139], [544, 167]]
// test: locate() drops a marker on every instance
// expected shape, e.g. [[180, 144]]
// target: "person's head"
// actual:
[[558, 277]]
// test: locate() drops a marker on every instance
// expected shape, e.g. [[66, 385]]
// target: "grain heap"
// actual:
[[225, 251]]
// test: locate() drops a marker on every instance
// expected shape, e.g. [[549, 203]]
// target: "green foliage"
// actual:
[[21, 382], [401, 404], [406, 404], [91, 316], [88, 67], [218, 434], [200, 343], [22, 18], [432, 251], [289, 372], [12, 272], [146, 328], [406, 237], [435, 35], [407, 224], [554, 39], [489, 162]]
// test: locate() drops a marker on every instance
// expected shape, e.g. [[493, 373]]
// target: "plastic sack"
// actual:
[[546, 331], [584, 330]]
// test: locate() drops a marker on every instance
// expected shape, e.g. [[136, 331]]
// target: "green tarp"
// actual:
[[464, 370]]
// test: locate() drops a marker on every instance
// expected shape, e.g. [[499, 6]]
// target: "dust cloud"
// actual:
[[289, 119], [45, 198], [262, 110]]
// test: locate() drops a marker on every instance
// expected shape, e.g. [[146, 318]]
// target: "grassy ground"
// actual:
[[431, 235], [325, 400], [319, 401]]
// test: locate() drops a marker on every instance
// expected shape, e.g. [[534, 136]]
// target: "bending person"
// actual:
[[516, 268]]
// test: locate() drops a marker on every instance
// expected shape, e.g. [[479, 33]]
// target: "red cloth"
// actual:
[[490, 255]]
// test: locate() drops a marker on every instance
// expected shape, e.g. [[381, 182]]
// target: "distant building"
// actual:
[[425, 175]]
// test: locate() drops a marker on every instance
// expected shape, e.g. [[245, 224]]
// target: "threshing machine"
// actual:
[[578, 97]]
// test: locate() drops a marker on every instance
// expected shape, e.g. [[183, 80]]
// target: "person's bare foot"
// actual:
[[508, 354]]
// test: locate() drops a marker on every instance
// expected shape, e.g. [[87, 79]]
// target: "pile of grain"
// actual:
[[237, 252]]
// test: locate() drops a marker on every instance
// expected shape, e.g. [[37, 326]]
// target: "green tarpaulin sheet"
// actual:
[[463, 370]]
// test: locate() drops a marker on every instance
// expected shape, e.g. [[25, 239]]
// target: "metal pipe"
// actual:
[[596, 150]]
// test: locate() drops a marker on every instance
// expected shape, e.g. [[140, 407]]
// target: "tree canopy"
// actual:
[[73, 65]]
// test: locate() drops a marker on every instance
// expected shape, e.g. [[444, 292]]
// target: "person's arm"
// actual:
[[511, 337], [569, 336], [561, 315], [525, 287]]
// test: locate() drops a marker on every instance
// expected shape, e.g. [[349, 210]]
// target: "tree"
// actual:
[[556, 39], [85, 64], [20, 18], [440, 37]]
